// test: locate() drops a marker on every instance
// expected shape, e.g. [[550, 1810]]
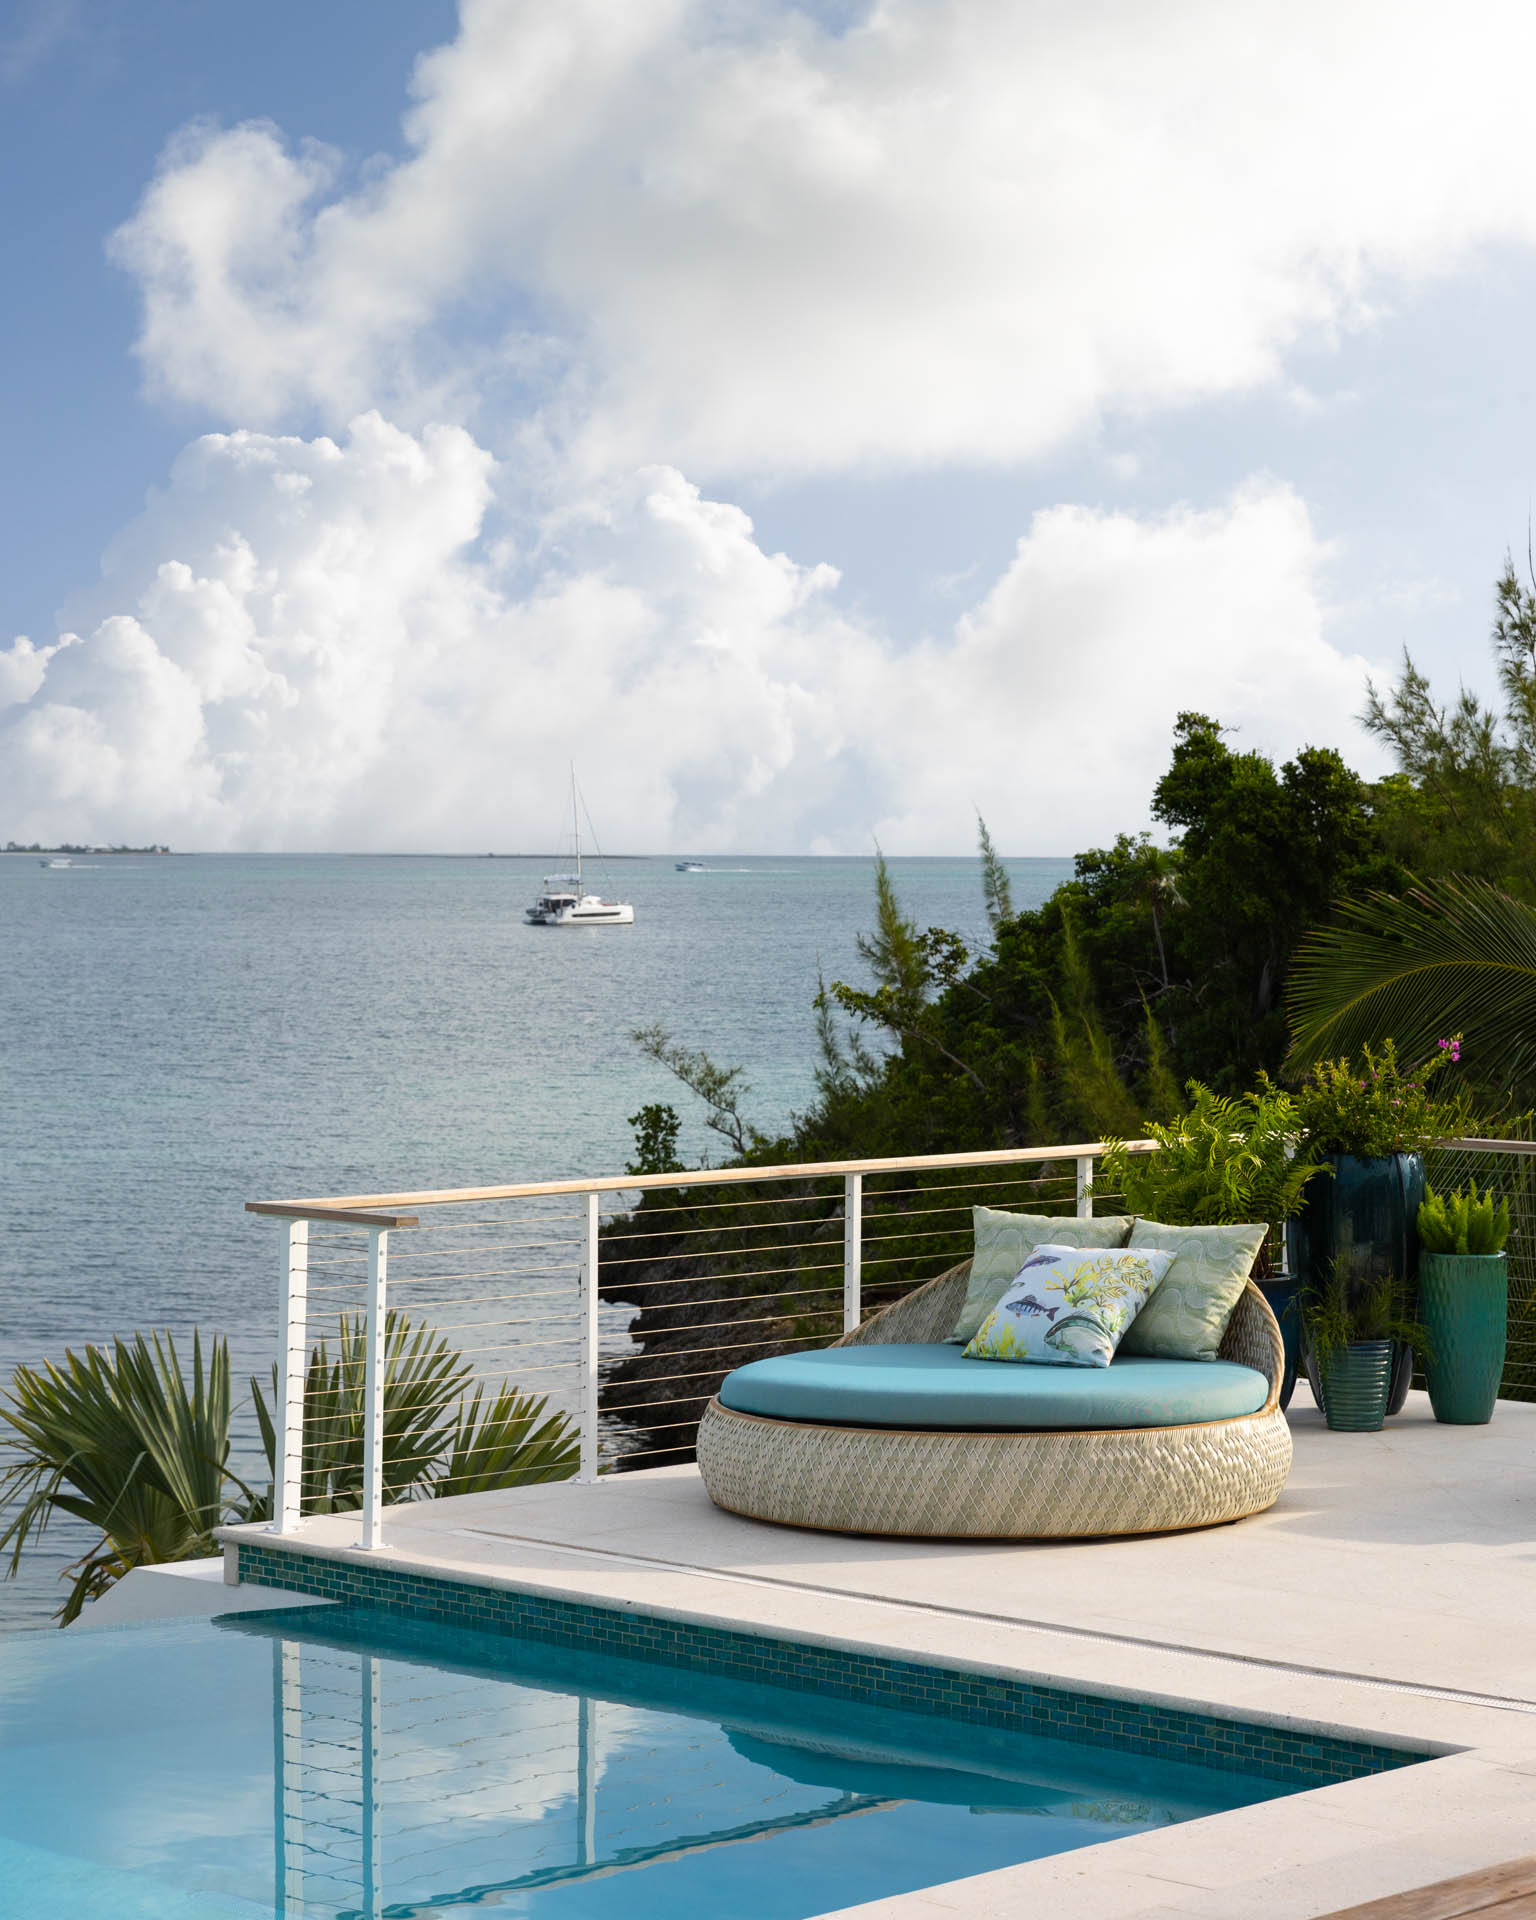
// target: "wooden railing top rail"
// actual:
[[346, 1216], [377, 1209], [331, 1207], [1473, 1145]]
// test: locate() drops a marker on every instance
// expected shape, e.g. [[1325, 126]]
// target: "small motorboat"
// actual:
[[691, 866]]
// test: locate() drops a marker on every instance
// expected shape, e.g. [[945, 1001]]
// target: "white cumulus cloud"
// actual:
[[309, 643], [486, 401], [731, 239]]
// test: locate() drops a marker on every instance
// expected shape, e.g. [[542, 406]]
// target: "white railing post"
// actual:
[[853, 1248], [373, 1388], [288, 1467], [1085, 1186], [588, 1416]]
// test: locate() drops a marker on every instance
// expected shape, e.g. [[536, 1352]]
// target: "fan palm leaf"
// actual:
[[514, 1442], [1450, 956], [122, 1442]]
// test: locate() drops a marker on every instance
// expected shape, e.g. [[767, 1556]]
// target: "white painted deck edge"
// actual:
[[182, 1590]]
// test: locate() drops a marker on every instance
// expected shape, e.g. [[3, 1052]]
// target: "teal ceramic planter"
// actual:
[[1363, 1220], [1355, 1383], [1464, 1305]]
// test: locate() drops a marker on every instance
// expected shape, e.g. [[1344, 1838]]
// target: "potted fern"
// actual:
[[1226, 1160], [1356, 1326], [1464, 1301]]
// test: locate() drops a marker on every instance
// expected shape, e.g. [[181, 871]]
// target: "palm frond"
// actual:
[[437, 1438], [1450, 956], [515, 1442], [424, 1380], [121, 1442]]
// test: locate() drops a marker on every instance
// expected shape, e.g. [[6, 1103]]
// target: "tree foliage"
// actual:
[[996, 887], [721, 1089], [1467, 801], [656, 1127]]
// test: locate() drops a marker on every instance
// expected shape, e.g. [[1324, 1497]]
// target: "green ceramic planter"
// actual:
[[1355, 1384], [1464, 1305]]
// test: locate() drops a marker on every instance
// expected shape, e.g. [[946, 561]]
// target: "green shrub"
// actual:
[[1340, 1313], [1379, 1107]]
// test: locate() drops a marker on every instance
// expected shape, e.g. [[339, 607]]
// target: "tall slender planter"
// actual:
[[1362, 1223], [1464, 1304]]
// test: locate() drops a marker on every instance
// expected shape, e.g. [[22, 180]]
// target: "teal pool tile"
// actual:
[[973, 1699]]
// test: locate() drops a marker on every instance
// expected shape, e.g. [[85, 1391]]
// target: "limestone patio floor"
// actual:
[[1390, 1593]]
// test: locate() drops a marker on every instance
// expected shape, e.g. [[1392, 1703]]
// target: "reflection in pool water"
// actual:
[[346, 1763]]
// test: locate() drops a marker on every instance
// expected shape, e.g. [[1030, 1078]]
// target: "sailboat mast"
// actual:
[[576, 825]]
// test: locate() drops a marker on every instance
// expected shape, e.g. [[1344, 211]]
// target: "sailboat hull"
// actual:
[[565, 902], [584, 913]]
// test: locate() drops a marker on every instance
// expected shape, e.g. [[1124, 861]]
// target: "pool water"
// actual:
[[348, 1763]]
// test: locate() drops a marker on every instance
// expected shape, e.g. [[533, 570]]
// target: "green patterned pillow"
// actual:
[[1188, 1314], [1004, 1241]]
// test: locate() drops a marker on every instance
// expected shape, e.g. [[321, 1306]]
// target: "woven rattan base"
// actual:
[[993, 1486], [1003, 1486]]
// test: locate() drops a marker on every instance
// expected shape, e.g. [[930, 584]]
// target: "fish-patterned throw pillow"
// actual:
[[1070, 1306], [1004, 1241]]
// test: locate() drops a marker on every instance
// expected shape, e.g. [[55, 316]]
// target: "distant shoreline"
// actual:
[[16, 851], [13, 851]]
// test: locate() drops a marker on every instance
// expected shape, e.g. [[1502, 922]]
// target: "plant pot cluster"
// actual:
[[1385, 1270], [1361, 1229], [1379, 1271]]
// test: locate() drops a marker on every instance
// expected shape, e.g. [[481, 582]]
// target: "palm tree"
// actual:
[[124, 1442], [1451, 956], [118, 1440]]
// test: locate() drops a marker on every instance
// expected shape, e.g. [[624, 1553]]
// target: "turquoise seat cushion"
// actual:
[[937, 1387]]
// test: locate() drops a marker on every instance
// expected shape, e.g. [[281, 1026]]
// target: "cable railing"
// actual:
[[459, 1340], [1509, 1168], [619, 1302]]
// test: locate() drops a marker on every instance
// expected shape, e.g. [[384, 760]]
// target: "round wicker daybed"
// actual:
[[1003, 1485]]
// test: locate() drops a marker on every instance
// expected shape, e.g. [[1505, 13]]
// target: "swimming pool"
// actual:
[[348, 1762]]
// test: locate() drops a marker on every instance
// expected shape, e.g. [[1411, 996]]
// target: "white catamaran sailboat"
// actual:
[[564, 903]]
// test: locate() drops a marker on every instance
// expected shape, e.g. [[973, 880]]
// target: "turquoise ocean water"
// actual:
[[179, 1035]]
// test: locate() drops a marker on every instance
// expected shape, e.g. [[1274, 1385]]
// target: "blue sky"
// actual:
[[92, 90], [820, 422]]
